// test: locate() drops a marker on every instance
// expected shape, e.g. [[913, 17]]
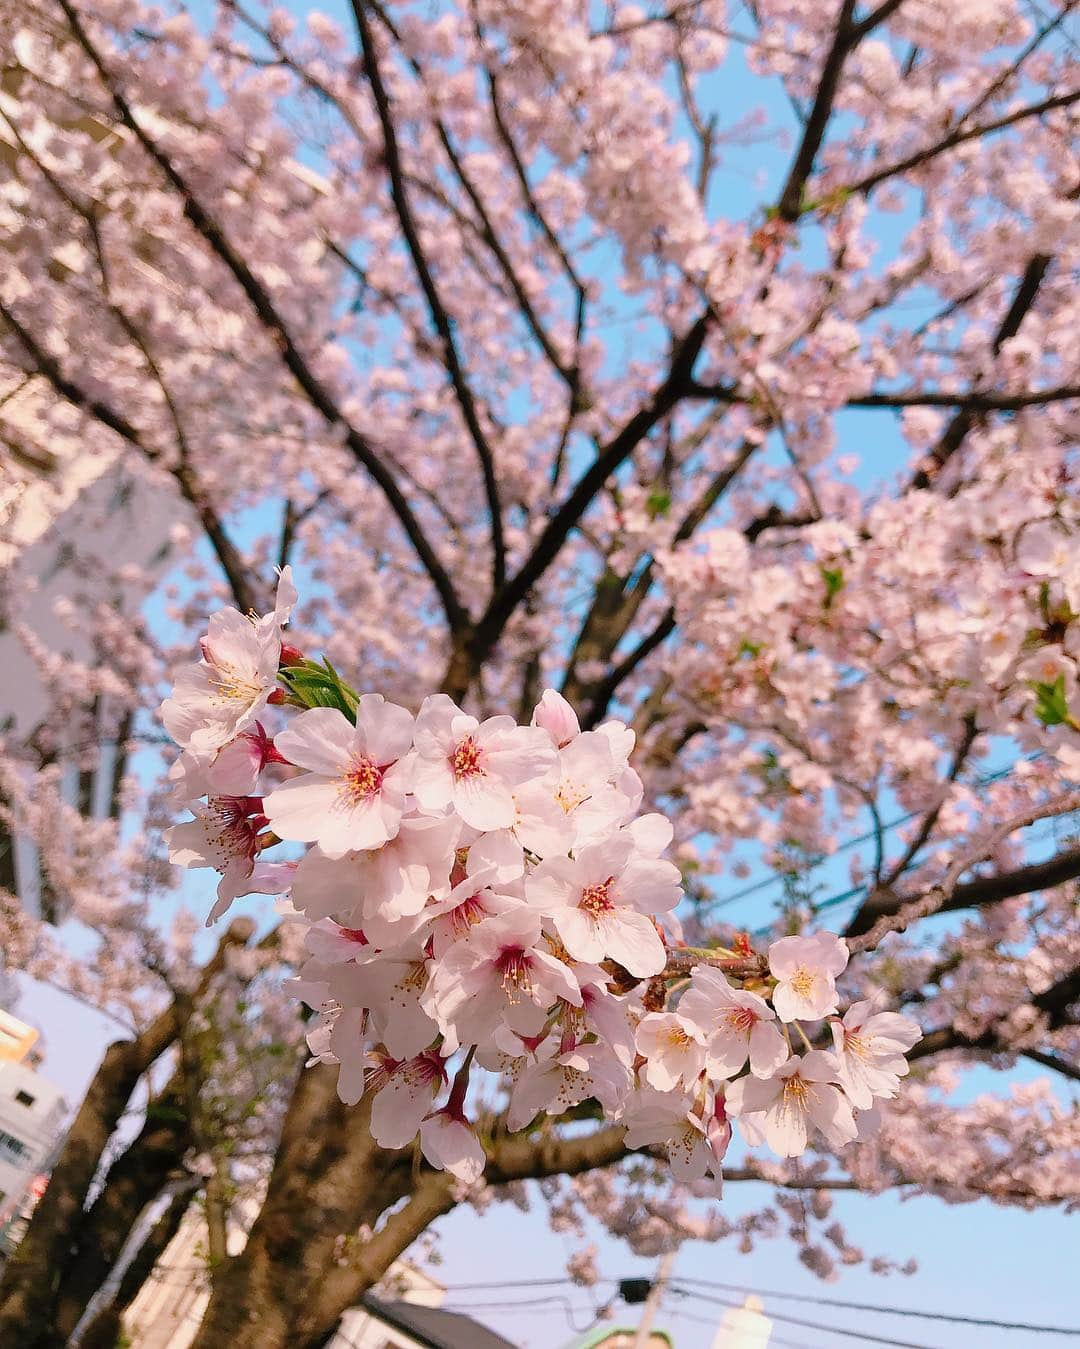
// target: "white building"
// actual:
[[745, 1327], [168, 1309], [32, 1113]]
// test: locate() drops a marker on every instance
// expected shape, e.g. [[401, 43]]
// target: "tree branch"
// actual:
[[959, 137], [971, 402], [608, 459], [1054, 1061], [790, 204], [1027, 880], [262, 305], [236, 573], [901, 910], [439, 316], [608, 686]]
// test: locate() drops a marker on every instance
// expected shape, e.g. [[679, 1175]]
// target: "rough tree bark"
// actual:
[[134, 1180], [33, 1276]]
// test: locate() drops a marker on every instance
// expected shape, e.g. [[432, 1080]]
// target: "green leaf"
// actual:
[[658, 503], [1050, 705], [310, 684], [834, 583]]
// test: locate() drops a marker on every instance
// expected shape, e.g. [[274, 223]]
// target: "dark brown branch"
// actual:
[[1057, 870], [608, 459], [1024, 297], [240, 582], [439, 317], [614, 608], [790, 205], [266, 312], [609, 685], [972, 402], [875, 18], [959, 137], [1054, 1061]]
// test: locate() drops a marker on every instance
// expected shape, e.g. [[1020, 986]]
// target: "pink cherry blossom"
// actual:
[[673, 1049], [1045, 548], [565, 1077], [449, 1144], [354, 793], [221, 696], [798, 1098], [579, 802], [869, 1047], [598, 903], [734, 1023], [500, 973], [555, 715], [668, 1119], [806, 970], [225, 835], [474, 766], [402, 1095]]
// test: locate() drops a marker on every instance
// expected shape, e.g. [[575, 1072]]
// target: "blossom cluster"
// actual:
[[481, 893]]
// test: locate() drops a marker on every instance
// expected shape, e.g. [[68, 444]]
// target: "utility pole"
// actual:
[[652, 1302]]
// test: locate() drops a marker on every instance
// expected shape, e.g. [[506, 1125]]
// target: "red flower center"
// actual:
[[596, 899], [513, 964], [362, 781], [465, 760]]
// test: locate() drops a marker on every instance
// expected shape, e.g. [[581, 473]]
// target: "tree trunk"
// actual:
[[135, 1179], [33, 1274], [329, 1178], [109, 1320]]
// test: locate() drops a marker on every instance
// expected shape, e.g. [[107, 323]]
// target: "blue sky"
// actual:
[[975, 1259]]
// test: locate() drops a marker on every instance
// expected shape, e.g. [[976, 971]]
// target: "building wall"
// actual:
[[96, 530], [32, 1113], [168, 1309], [17, 1039]]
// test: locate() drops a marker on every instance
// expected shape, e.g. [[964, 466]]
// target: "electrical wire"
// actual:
[[862, 1335], [957, 1318], [551, 1303], [676, 1314], [881, 1309], [721, 902]]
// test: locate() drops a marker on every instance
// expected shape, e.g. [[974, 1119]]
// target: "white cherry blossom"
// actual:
[[785, 1108], [806, 970], [353, 795], [870, 1046], [734, 1023]]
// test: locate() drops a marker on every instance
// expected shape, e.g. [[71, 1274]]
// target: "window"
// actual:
[[13, 1148], [24, 1098]]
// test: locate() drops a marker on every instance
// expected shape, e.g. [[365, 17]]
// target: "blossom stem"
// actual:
[[456, 1104]]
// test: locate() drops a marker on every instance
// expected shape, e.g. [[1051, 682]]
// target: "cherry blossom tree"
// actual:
[[454, 295]]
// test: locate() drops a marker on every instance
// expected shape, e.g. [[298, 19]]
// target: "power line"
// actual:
[[677, 1314], [862, 1335], [888, 1311], [722, 902], [691, 1285]]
